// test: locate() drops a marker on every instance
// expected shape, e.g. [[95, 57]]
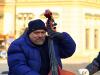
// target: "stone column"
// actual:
[[9, 17]]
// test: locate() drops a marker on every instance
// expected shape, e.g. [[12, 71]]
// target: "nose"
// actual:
[[40, 34]]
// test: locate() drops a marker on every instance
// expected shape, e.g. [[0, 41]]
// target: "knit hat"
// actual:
[[36, 25]]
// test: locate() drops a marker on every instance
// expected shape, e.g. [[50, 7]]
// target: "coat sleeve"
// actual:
[[17, 62], [66, 44], [94, 66]]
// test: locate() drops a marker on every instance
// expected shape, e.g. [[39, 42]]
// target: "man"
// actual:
[[29, 54], [92, 67]]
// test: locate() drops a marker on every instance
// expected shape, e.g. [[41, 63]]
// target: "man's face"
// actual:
[[38, 36]]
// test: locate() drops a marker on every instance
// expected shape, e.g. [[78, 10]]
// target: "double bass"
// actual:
[[55, 68]]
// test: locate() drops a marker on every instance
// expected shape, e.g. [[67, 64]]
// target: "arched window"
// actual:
[[55, 15], [22, 20]]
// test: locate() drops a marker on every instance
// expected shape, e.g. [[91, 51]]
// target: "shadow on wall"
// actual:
[[4, 72]]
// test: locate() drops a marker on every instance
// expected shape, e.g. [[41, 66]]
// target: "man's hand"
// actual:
[[83, 71]]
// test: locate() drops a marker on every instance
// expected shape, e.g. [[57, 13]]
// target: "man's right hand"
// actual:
[[83, 72]]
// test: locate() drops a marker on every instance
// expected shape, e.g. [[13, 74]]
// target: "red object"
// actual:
[[48, 14], [63, 72]]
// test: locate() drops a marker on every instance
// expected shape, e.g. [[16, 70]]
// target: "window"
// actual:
[[87, 38], [96, 38], [22, 20]]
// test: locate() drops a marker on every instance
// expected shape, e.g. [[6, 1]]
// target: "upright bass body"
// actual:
[[62, 72]]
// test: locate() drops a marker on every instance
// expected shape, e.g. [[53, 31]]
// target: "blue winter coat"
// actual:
[[24, 57]]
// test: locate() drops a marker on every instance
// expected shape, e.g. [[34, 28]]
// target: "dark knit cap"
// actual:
[[36, 25]]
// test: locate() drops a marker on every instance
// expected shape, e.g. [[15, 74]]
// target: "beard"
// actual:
[[39, 41]]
